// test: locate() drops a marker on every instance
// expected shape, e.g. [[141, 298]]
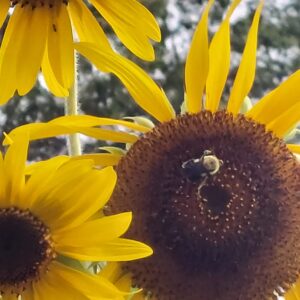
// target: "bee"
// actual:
[[207, 165]]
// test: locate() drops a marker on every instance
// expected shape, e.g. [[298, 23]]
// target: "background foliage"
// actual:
[[103, 95]]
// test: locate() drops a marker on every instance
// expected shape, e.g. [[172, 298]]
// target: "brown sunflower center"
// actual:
[[38, 3], [217, 199], [25, 249], [216, 196]]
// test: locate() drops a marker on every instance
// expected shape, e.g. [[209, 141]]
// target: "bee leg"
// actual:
[[203, 182]]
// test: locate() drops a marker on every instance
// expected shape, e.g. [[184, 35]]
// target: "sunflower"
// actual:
[[214, 192], [39, 35], [48, 222]]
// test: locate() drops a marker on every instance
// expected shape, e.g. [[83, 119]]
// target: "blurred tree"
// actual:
[[103, 95]]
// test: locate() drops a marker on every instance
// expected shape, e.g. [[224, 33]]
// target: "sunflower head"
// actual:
[[26, 249], [214, 221], [216, 193], [40, 36], [49, 215]]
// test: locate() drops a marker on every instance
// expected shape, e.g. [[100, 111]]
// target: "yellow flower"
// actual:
[[39, 35], [215, 193], [50, 217]]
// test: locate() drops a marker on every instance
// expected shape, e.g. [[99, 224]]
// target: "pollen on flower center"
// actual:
[[25, 249], [38, 3], [218, 229]]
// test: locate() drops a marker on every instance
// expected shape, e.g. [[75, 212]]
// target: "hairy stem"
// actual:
[[71, 108]]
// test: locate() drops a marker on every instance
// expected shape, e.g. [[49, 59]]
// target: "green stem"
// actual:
[[71, 108]]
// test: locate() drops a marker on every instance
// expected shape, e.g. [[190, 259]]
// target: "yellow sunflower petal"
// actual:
[[90, 121], [66, 175], [297, 288], [30, 58], [4, 6], [196, 68], [87, 27], [64, 198], [122, 280], [10, 48], [51, 80], [124, 284], [35, 186], [14, 167], [94, 233], [246, 72], [78, 124], [133, 24], [286, 121], [113, 150], [50, 202], [112, 271], [60, 48], [38, 131], [101, 159], [91, 286], [293, 293], [277, 101], [55, 161], [15, 19], [57, 285], [142, 121], [294, 148], [52, 287], [108, 135], [219, 62], [116, 250], [141, 87]]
